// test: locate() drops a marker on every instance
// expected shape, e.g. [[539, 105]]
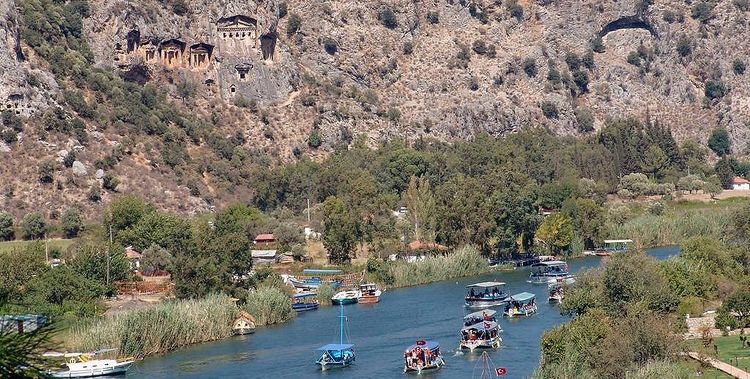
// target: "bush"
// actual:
[[283, 9], [433, 17], [269, 306], [387, 18], [314, 140], [529, 67], [683, 47], [581, 79], [69, 159], [6, 227], [549, 109], [243, 102], [408, 48], [46, 171], [715, 89], [110, 182], [473, 83], [720, 142], [634, 58], [330, 45], [95, 194], [12, 121], [325, 293], [702, 11], [515, 10], [572, 60], [585, 120], [738, 66], [479, 47], [588, 60], [179, 7], [33, 226], [597, 45], [293, 24], [71, 223], [9, 136]]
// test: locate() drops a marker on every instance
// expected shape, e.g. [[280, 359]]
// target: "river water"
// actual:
[[380, 333]]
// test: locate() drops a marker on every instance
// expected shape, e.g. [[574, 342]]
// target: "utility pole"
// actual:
[[46, 248], [308, 211]]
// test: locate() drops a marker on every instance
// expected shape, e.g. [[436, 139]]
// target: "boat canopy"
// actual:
[[609, 242], [432, 345], [486, 285], [336, 347], [523, 296], [481, 325], [304, 295], [368, 286], [549, 263], [315, 271], [480, 314]]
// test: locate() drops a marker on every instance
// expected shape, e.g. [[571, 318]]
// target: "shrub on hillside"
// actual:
[[46, 171], [715, 89], [529, 67], [387, 18], [33, 226], [433, 17], [549, 109], [293, 24], [6, 227], [738, 66], [71, 223]]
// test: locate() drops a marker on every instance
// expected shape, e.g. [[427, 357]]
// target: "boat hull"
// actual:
[[345, 301], [367, 299], [513, 312], [546, 279], [120, 369], [492, 343], [418, 370], [484, 303], [305, 307], [555, 299]]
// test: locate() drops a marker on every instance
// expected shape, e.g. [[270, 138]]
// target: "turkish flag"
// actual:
[[501, 371]]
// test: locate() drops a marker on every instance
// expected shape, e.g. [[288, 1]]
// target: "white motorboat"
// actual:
[[91, 368]]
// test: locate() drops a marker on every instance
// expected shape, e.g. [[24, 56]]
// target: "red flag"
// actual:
[[501, 371]]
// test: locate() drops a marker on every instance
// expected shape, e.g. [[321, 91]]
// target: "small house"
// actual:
[[740, 184], [264, 239], [263, 257], [133, 257], [22, 323]]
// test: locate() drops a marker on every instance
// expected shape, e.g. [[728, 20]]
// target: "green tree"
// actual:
[[712, 186], [719, 142], [339, 230], [71, 222], [156, 259], [724, 171], [6, 227], [655, 162], [90, 261], [110, 182], [584, 119], [293, 24], [421, 205], [20, 356], [125, 212], [556, 231], [46, 171], [33, 226], [588, 219]]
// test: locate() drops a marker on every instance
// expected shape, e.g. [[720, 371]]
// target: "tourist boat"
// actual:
[[369, 293], [423, 356], [345, 297], [522, 304], [485, 334], [306, 301], [479, 316], [336, 354], [555, 293], [81, 365], [486, 294], [312, 283], [613, 246], [550, 271]]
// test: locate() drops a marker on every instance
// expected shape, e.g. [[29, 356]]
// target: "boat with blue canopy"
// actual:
[[336, 354], [423, 356], [306, 301], [485, 295], [484, 334], [522, 304], [312, 283], [550, 271]]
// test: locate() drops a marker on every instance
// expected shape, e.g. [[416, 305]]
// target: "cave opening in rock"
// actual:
[[268, 45], [629, 22]]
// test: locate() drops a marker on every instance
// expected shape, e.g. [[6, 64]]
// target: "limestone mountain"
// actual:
[[177, 100]]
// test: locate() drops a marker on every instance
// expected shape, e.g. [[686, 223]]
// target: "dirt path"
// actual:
[[719, 365]]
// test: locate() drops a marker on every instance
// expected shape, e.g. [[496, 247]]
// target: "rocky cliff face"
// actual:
[[445, 69]]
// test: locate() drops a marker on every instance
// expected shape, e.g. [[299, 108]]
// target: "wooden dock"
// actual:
[[721, 366]]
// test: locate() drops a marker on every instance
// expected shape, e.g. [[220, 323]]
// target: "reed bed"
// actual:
[[649, 230], [325, 293], [160, 329], [269, 305], [466, 261]]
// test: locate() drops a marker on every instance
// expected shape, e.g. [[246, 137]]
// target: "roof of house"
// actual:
[[130, 253], [265, 237], [739, 180]]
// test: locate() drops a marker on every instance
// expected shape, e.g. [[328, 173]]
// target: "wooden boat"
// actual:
[[555, 293], [485, 295], [345, 297], [550, 271], [312, 283], [336, 354], [485, 334], [80, 365], [479, 316], [522, 304], [423, 356], [369, 293], [243, 324], [306, 301]]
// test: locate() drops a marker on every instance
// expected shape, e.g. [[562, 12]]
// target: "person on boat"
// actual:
[[485, 316], [486, 292], [494, 292], [472, 293]]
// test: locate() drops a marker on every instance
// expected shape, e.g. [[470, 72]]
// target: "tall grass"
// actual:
[[269, 305], [163, 328], [325, 293], [466, 261], [649, 230]]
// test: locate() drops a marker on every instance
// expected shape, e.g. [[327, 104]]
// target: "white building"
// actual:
[[740, 184]]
